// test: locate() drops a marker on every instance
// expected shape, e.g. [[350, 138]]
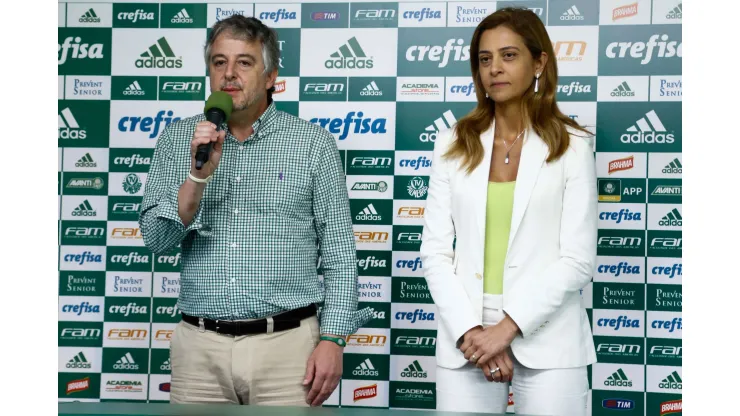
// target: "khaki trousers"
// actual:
[[261, 369]]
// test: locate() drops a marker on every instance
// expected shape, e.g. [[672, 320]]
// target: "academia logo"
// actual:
[[159, 55]]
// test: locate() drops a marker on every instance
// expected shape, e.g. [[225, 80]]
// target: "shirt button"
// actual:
[[241, 147], [233, 245], [236, 211], [238, 179], [233, 280]]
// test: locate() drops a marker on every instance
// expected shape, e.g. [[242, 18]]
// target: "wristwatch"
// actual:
[[337, 340]]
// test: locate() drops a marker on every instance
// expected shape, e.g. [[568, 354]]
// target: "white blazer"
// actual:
[[551, 253]]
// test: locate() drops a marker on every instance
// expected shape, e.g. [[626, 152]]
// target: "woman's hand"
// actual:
[[503, 363], [483, 345]]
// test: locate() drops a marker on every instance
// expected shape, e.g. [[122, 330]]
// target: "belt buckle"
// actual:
[[201, 325]]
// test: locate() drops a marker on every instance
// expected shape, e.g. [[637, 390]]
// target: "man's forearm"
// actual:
[[188, 200]]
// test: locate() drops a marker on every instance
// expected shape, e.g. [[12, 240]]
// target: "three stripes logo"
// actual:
[[84, 210], [572, 14], [366, 368], [674, 167], [89, 17], [673, 381], [68, 126], [371, 90], [441, 123], [349, 56], [648, 130], [134, 89], [126, 363], [676, 12], [672, 219], [618, 379], [623, 90], [414, 370], [159, 55], [79, 361], [369, 214], [182, 17], [86, 162], [166, 366]]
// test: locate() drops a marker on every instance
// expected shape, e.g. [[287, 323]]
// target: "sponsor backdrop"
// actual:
[[384, 78]]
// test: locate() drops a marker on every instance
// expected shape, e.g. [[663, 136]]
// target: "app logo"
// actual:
[[414, 370], [610, 190], [362, 393], [618, 379], [68, 126], [361, 125], [365, 369], [159, 55], [79, 360], [623, 90], [78, 49], [350, 55], [618, 404], [89, 17], [572, 14], [131, 183], [623, 12], [130, 124], [126, 363], [643, 132], [574, 50], [75, 386], [673, 381], [86, 161], [182, 17], [626, 163]]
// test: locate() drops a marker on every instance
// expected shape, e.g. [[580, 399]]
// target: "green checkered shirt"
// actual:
[[275, 203]]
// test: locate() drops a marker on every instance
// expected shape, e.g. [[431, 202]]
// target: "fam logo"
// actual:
[[570, 51]]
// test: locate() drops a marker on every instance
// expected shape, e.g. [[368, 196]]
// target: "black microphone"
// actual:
[[218, 109]]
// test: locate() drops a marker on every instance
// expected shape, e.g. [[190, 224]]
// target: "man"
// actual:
[[248, 223]]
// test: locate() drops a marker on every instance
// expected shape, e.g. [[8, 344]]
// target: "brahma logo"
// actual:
[[361, 125], [280, 87], [645, 50], [75, 386], [672, 407], [441, 54], [350, 56], [365, 392], [131, 124], [626, 163], [78, 49], [574, 50], [624, 11]]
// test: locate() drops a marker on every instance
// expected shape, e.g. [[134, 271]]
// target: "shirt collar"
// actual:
[[262, 125]]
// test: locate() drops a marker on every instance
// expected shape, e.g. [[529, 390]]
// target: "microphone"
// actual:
[[218, 109]]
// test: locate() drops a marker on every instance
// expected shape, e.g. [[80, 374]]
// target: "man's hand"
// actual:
[[324, 369], [503, 362], [485, 344]]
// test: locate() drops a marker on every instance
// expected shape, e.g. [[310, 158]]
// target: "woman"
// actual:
[[513, 184]]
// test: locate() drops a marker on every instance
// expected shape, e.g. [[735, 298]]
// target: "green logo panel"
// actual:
[[434, 51], [133, 259], [290, 107], [640, 50], [161, 361], [126, 360], [664, 351], [165, 311], [668, 298], [81, 283], [621, 243], [413, 342], [663, 404], [134, 88], [324, 15], [374, 263], [168, 262], [370, 162], [664, 244], [183, 16], [417, 124], [324, 89], [79, 385], [130, 160], [124, 208], [372, 211], [407, 237], [622, 190], [182, 88], [372, 89], [136, 15], [629, 296], [382, 314], [411, 187], [410, 290], [85, 183], [639, 127], [573, 13], [620, 350], [124, 309], [622, 403], [289, 41], [539, 7], [373, 15], [665, 191], [83, 123], [83, 233], [577, 89], [412, 395], [80, 334], [84, 51], [366, 367]]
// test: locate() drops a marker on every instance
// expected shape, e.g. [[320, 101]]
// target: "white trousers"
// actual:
[[554, 392]]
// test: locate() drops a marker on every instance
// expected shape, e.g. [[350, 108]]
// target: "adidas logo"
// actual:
[[79, 361], [159, 55], [126, 363], [371, 90], [350, 55], [368, 214], [134, 89], [674, 167], [623, 90], [618, 379], [166, 366], [414, 370], [68, 126], [676, 13], [86, 162], [84, 210], [89, 17], [672, 219], [365, 368], [673, 381], [643, 132], [572, 14], [444, 122], [182, 17]]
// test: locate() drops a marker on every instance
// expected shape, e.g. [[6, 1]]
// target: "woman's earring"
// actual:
[[537, 82]]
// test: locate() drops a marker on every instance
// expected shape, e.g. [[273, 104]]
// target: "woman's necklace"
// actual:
[[512, 145]]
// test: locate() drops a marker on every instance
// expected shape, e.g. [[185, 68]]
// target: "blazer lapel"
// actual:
[[534, 153], [479, 179]]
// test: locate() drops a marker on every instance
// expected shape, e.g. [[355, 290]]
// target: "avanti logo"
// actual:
[[182, 17], [371, 90], [621, 322], [414, 370], [350, 56], [672, 219], [85, 209], [276, 16], [126, 363], [572, 14], [86, 161], [68, 126], [87, 183], [79, 361], [619, 269], [618, 217], [674, 167], [420, 15], [130, 124], [159, 55], [651, 133], [645, 50], [421, 53], [361, 124], [89, 17], [381, 186], [366, 368], [623, 90], [79, 50], [368, 214], [446, 121], [673, 381], [618, 379]]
